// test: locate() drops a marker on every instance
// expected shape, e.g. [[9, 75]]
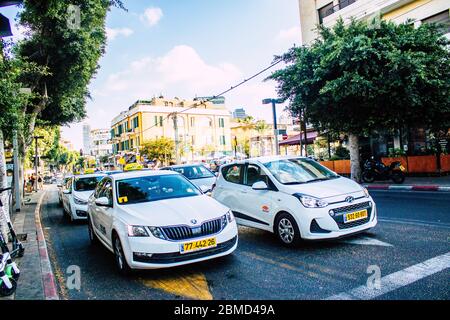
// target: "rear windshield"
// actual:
[[194, 172], [86, 184], [154, 188]]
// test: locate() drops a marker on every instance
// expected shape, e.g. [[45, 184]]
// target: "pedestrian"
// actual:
[[40, 182]]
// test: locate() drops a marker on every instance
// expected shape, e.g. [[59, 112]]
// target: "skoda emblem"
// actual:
[[193, 221], [349, 199]]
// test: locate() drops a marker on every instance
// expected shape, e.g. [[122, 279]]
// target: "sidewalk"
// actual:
[[36, 278], [413, 184]]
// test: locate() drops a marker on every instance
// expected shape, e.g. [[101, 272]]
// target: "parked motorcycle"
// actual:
[[377, 170]]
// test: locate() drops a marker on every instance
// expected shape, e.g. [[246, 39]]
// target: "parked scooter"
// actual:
[[377, 170], [9, 272]]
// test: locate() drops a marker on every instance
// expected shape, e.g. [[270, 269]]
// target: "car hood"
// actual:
[[325, 189], [171, 212], [84, 195]]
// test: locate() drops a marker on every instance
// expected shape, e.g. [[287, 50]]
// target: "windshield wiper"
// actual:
[[294, 182], [318, 179]]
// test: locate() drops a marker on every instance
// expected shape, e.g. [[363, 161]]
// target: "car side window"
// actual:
[[69, 184], [233, 173], [99, 188], [106, 191], [254, 174]]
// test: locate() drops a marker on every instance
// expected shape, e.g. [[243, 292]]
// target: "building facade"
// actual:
[[327, 12], [86, 139], [203, 128], [100, 142]]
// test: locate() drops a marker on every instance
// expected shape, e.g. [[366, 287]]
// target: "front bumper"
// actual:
[[79, 212], [166, 254], [317, 224]]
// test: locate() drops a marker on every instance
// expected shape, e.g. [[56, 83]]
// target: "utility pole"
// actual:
[[175, 127], [36, 160], [275, 127], [17, 182]]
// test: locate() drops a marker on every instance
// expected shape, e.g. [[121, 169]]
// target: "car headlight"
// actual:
[[79, 201], [310, 202], [157, 232], [366, 192], [224, 221], [137, 231], [230, 216]]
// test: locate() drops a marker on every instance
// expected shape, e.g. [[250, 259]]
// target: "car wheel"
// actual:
[[287, 230], [92, 236], [121, 261]]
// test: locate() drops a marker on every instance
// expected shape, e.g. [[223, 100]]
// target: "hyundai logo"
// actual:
[[349, 199], [193, 221]]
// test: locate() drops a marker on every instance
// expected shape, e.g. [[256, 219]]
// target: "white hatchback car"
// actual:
[[76, 192], [295, 198], [198, 174], [158, 219]]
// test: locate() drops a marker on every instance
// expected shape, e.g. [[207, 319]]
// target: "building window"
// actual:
[[192, 122], [158, 121], [222, 140], [135, 122], [325, 11], [442, 18], [221, 123]]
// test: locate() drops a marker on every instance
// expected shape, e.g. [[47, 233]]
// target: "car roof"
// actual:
[[90, 175], [184, 165], [142, 173], [266, 159]]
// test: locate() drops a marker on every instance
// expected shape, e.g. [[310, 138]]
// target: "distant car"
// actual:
[[157, 219], [198, 174], [76, 193], [61, 184], [295, 198]]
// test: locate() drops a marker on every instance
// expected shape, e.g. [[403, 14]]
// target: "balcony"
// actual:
[[359, 10]]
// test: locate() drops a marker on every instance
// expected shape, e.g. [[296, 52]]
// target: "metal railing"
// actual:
[[341, 5]]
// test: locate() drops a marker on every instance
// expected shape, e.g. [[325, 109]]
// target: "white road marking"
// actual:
[[397, 279], [415, 222], [366, 241]]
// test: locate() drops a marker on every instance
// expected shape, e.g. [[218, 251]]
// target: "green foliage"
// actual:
[[396, 152], [361, 77], [341, 153], [160, 149]]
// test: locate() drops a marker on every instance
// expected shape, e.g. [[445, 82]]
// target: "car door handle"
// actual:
[[243, 191]]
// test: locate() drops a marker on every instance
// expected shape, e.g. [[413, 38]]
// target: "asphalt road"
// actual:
[[414, 227]]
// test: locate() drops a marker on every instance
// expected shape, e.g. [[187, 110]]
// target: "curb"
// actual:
[[407, 188], [48, 278]]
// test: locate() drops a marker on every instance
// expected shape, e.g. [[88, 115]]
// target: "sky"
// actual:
[[187, 48]]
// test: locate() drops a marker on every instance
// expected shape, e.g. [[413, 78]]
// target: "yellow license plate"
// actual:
[[198, 245], [354, 216], [402, 168]]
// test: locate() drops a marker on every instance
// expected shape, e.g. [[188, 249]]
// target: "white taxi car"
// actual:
[[76, 192], [295, 198], [158, 219]]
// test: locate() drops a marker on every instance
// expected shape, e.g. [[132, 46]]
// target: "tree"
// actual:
[[366, 76], [160, 149]]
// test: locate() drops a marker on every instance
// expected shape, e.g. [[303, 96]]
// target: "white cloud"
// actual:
[[114, 33], [151, 16], [292, 35]]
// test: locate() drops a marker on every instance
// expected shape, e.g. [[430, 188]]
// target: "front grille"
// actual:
[[186, 232], [178, 257], [339, 215]]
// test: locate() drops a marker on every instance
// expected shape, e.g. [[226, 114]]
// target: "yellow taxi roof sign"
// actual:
[[89, 170], [133, 167]]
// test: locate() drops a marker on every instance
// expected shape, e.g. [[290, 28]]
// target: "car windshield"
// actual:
[[299, 170], [154, 188], [86, 184], [194, 172]]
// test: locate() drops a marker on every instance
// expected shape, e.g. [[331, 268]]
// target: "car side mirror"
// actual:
[[67, 191], [260, 185], [59, 185], [216, 173], [103, 202], [205, 189]]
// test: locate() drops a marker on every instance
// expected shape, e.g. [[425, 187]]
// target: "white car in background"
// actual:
[[295, 198], [158, 219], [61, 185], [198, 174], [76, 192]]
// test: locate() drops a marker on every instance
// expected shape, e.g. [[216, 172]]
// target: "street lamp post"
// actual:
[[275, 127], [36, 160]]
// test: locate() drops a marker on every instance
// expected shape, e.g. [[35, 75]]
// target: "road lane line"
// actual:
[[397, 279], [415, 222], [192, 285], [289, 267], [367, 241]]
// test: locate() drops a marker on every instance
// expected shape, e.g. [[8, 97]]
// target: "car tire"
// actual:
[[92, 236], [119, 256], [287, 230]]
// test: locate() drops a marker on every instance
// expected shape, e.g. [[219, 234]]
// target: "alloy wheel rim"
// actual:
[[119, 254], [286, 230]]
